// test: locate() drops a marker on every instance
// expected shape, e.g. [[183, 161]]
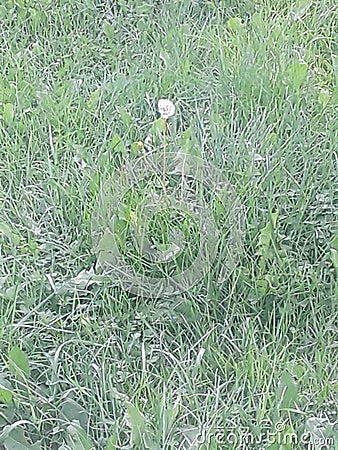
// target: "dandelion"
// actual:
[[166, 108]]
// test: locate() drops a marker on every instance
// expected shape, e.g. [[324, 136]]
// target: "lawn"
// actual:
[[246, 356]]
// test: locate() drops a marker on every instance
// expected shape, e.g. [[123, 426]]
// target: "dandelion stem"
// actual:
[[164, 154]]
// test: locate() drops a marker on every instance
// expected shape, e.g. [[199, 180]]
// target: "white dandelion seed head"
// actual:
[[166, 108]]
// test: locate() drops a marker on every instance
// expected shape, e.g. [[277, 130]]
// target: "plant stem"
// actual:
[[164, 154]]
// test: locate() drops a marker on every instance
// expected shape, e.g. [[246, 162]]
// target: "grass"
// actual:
[[255, 88]]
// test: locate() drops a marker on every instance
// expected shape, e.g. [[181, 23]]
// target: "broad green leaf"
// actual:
[[77, 438], [274, 217], [107, 248], [158, 126], [287, 391], [186, 135], [8, 113], [18, 361], [258, 22], [186, 141], [266, 235], [7, 231], [6, 395], [112, 443], [264, 240], [10, 429], [117, 144], [125, 116], [108, 30], [334, 243], [18, 441], [297, 74], [235, 24], [149, 442], [94, 99], [137, 424], [262, 286], [124, 211], [3, 11], [334, 257], [273, 138], [73, 411], [334, 99], [324, 97], [7, 416], [295, 369]]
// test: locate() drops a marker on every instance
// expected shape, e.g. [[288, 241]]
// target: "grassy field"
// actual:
[[245, 361]]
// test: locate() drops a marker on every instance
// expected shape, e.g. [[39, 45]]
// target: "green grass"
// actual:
[[256, 91]]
